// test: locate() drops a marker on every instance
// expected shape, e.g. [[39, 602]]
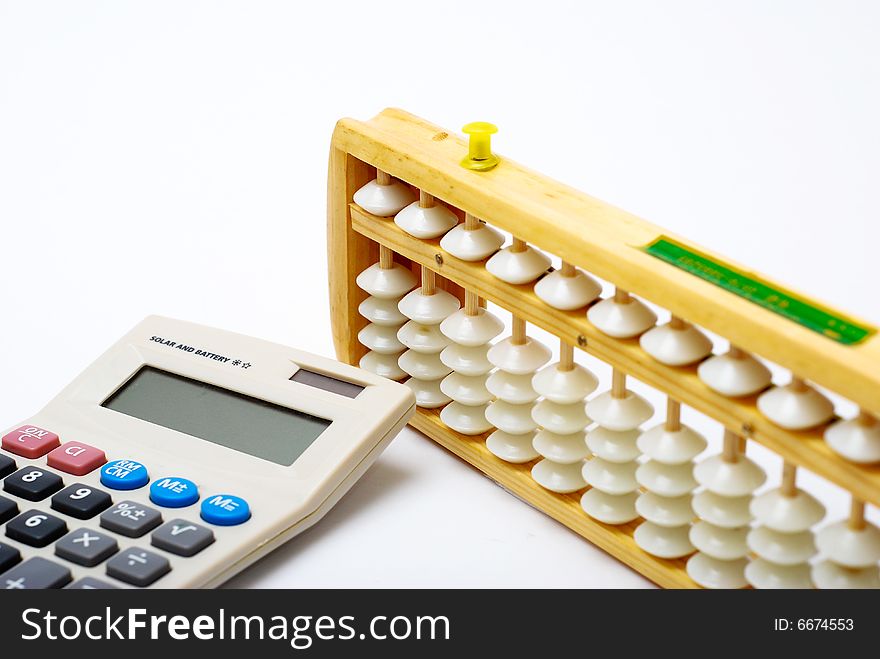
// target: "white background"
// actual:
[[170, 157]]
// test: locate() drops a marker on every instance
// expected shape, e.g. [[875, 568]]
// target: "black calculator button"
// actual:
[[182, 538], [86, 547], [33, 483], [137, 566], [9, 556], [131, 519], [7, 466], [81, 501], [36, 528], [8, 509], [36, 572], [90, 583]]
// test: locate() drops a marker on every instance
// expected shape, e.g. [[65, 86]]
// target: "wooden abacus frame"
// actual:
[[606, 242]]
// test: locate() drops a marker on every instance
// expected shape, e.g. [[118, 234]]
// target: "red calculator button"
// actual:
[[30, 442], [76, 458]]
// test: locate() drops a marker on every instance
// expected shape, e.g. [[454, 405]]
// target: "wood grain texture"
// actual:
[[348, 252], [805, 449], [564, 508], [603, 240]]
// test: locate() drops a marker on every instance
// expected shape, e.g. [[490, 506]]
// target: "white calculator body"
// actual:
[[182, 455]]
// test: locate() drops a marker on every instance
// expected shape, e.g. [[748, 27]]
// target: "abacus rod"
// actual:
[[677, 323], [620, 295], [429, 281], [730, 447], [471, 223], [471, 303], [386, 257], [425, 200], [518, 331], [518, 245], [673, 415], [856, 519], [383, 177], [789, 479], [566, 356], [568, 270], [798, 384], [618, 383]]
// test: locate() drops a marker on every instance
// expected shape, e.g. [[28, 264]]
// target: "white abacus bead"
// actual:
[[664, 542], [611, 477], [785, 513], [422, 338], [564, 387], [465, 419], [855, 441], [564, 449], [386, 283], [828, 575], [466, 389], [515, 389], [711, 572], [384, 200], [512, 419], [734, 376], [516, 449], [383, 365], [726, 512], [467, 360], [610, 508], [674, 346], [427, 392], [472, 330], [428, 309], [671, 446], [425, 223], [781, 548], [666, 480], [423, 365], [665, 511], [381, 338], [567, 292], [517, 358], [852, 548], [621, 320], [561, 419], [619, 413], [518, 267], [794, 409], [719, 542], [382, 311], [613, 445], [761, 573], [472, 244], [558, 477], [729, 479]]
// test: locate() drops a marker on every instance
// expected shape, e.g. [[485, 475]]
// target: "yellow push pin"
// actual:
[[480, 157]]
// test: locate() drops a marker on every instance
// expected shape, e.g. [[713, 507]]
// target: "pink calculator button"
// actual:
[[30, 442], [76, 458]]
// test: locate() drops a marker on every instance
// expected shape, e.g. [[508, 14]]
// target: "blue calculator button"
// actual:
[[174, 492], [124, 475], [225, 510]]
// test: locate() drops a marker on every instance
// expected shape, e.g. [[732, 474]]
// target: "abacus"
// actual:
[[441, 259]]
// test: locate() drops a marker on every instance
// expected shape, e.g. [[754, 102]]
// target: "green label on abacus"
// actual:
[[785, 303]]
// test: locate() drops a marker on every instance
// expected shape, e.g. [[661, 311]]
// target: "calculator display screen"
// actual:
[[242, 423]]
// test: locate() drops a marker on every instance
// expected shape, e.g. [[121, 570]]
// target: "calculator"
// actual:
[[182, 455]]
